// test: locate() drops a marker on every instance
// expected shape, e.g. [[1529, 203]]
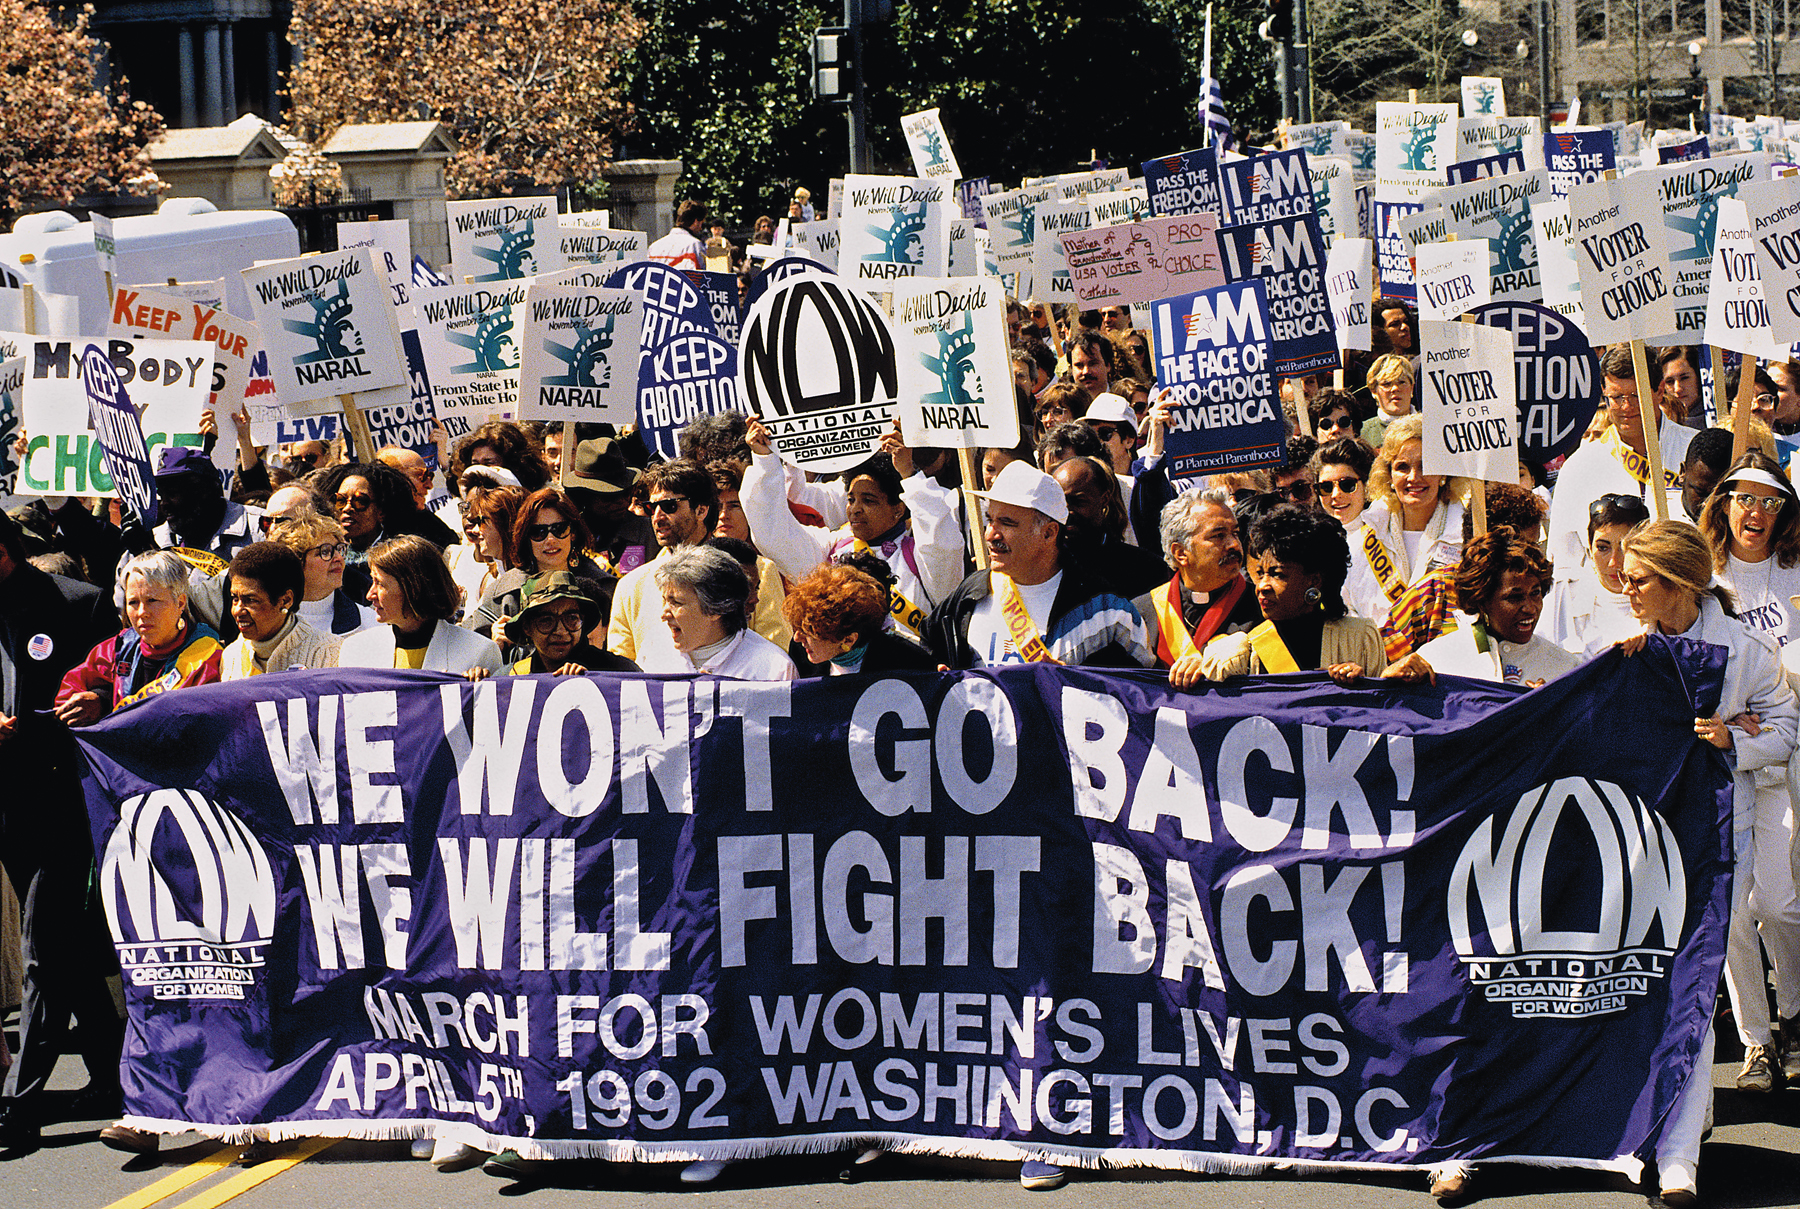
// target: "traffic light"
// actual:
[[833, 76], [1278, 24]]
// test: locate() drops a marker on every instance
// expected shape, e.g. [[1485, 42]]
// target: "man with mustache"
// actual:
[[1208, 594]]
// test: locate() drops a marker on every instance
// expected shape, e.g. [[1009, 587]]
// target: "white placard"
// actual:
[[1413, 146], [469, 334], [392, 238], [1689, 195], [1484, 96], [167, 381], [894, 226], [1348, 282], [1452, 278], [1622, 254], [580, 358], [591, 220], [1118, 205], [931, 153], [1011, 218], [1737, 314], [106, 245], [818, 240], [207, 293], [1469, 398], [956, 382], [1479, 137], [503, 239], [598, 245], [1554, 234], [329, 324], [152, 314], [1773, 208], [1049, 267], [1497, 209], [1334, 196]]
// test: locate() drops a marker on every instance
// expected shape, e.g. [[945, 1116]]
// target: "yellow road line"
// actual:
[[175, 1181], [244, 1181]]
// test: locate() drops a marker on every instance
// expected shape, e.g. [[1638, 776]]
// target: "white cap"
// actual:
[[1114, 409], [1025, 486]]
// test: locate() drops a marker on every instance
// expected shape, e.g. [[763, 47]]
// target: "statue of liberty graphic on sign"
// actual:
[[1702, 228], [491, 343], [931, 143], [903, 238], [330, 327], [1420, 148], [514, 257], [587, 361], [954, 366], [1514, 248], [1484, 94]]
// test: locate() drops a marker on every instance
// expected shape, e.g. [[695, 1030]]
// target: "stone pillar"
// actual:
[[641, 195], [227, 72], [184, 38], [272, 50], [211, 86]]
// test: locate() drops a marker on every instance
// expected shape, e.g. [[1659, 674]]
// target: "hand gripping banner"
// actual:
[[1040, 912]]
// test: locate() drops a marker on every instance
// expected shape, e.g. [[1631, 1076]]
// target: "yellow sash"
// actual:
[[196, 654], [1026, 638], [1173, 641], [905, 611], [1271, 649], [1382, 564], [1635, 463]]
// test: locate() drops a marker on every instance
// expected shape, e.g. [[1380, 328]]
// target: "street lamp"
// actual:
[[1699, 87]]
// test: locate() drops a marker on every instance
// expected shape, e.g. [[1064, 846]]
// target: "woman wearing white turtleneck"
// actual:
[[324, 605], [265, 581]]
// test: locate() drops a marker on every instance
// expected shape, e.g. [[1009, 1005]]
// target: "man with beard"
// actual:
[[1033, 604], [684, 506], [1096, 529], [1208, 594]]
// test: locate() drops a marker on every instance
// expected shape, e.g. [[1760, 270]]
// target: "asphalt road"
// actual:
[[1751, 1160]]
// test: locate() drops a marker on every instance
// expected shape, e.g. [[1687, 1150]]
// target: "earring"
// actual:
[[1313, 596]]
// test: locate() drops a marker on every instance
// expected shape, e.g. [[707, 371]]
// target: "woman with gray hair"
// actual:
[[704, 594], [161, 648]]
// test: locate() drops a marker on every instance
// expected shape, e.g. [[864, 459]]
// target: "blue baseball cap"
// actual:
[[172, 460]]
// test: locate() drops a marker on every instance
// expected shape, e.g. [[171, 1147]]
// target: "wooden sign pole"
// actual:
[[1651, 416], [361, 441], [566, 457], [972, 506], [30, 303]]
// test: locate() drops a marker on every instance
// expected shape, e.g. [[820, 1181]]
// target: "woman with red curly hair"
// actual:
[[837, 614]]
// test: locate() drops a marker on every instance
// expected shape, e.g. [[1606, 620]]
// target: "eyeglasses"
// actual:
[[308, 458], [1630, 505], [1343, 486], [669, 505], [1301, 492], [1764, 400], [330, 550], [1769, 504], [354, 503], [538, 533], [1619, 400], [545, 623], [1341, 422]]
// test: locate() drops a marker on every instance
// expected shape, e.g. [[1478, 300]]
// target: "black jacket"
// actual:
[[1097, 634]]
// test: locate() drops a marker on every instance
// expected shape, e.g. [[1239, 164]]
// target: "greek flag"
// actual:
[[1212, 116]]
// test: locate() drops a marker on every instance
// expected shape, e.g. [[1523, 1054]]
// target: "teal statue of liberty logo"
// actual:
[[953, 366], [491, 343], [903, 240], [1514, 249], [587, 361], [1485, 95], [1421, 149], [329, 328], [514, 257], [931, 143]]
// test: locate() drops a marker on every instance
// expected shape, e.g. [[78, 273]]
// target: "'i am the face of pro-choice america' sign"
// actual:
[[1213, 350]]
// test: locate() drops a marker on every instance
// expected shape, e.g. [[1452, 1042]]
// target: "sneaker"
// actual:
[[1041, 1177], [1759, 1071], [703, 1171], [1450, 1188], [448, 1156], [255, 1153], [131, 1141], [508, 1165], [422, 1147], [1790, 1050]]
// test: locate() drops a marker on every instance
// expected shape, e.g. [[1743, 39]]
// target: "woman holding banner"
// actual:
[[1413, 523], [1668, 569], [1298, 559], [1589, 612], [162, 648]]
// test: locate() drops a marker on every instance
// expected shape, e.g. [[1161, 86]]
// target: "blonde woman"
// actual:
[[1413, 524], [1391, 382], [320, 543]]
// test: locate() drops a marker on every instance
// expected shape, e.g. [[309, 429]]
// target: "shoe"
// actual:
[[1789, 1041], [1041, 1177], [1451, 1188], [18, 1129], [131, 1141], [704, 1171], [1679, 1198], [1759, 1070], [255, 1153], [423, 1148], [448, 1156], [508, 1165]]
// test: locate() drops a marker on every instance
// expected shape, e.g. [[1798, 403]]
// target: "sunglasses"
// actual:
[[308, 458], [354, 503], [669, 505], [1300, 492], [1770, 505], [538, 533], [1106, 432], [545, 623], [330, 550], [1344, 486], [1628, 504]]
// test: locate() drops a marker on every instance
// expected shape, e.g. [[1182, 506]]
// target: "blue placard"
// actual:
[[689, 375], [968, 197], [1681, 153], [721, 291], [1576, 157], [120, 431], [1264, 189], [1558, 377], [1184, 183], [1213, 353], [1485, 167], [1288, 256], [1393, 255]]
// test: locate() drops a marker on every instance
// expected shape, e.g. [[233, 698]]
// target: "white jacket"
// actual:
[[452, 649]]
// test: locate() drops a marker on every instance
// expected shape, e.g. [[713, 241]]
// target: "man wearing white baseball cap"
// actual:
[[1032, 605], [1113, 421]]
